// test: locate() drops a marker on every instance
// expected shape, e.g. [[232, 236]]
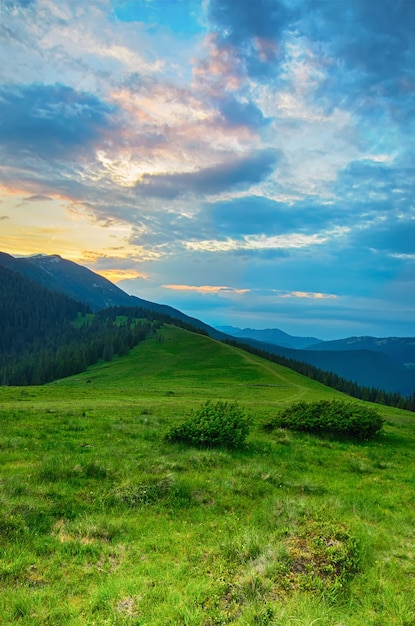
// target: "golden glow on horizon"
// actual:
[[55, 225], [116, 275]]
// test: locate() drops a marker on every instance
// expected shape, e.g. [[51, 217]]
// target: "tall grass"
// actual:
[[104, 522]]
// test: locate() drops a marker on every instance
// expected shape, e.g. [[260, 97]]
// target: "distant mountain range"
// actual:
[[271, 335], [401, 349], [387, 363]]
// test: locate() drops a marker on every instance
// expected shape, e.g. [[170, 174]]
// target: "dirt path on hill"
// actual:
[[269, 368]]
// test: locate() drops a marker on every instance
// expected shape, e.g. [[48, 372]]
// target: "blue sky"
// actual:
[[248, 162]]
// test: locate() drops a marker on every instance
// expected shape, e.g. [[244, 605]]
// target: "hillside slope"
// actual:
[[186, 366], [103, 522], [45, 335], [30, 312]]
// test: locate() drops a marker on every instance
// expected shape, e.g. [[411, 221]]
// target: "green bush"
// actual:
[[212, 425], [335, 417]]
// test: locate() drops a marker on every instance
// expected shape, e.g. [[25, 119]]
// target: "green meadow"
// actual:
[[104, 522]]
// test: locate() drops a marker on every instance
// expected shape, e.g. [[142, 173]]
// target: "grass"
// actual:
[[103, 522]]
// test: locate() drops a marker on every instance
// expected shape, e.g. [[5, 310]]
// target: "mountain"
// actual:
[[368, 368], [370, 362], [82, 284], [45, 335], [30, 312], [67, 277], [401, 349], [270, 335], [364, 367]]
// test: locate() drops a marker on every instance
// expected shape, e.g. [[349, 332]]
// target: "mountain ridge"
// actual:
[[85, 285], [81, 283], [270, 335], [401, 349]]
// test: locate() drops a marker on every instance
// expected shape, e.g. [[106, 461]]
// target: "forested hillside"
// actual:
[[80, 283], [30, 312], [44, 335]]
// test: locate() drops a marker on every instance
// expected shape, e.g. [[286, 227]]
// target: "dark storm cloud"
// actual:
[[50, 120], [239, 174], [254, 28]]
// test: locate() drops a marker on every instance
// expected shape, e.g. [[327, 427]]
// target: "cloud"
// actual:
[[254, 30], [209, 289], [17, 4], [117, 275], [391, 236], [38, 198], [262, 242], [242, 173], [256, 215], [249, 215], [265, 142], [372, 37], [236, 113], [51, 121], [381, 184], [369, 51], [309, 295]]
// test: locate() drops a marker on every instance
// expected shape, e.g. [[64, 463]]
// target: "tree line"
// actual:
[[70, 350], [46, 335], [331, 379], [30, 312]]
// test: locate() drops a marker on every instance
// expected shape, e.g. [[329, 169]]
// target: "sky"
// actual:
[[249, 162]]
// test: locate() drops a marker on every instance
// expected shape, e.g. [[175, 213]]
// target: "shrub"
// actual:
[[335, 417], [220, 424]]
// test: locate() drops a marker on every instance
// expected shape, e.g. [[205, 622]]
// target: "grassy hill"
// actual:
[[102, 522]]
